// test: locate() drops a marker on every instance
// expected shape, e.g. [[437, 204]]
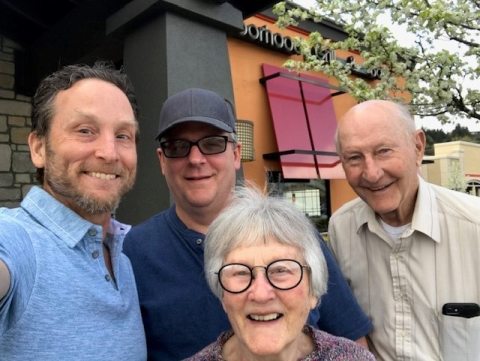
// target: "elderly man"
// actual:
[[407, 247], [198, 155], [66, 290]]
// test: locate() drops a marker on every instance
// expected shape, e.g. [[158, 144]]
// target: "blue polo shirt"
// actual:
[[62, 303], [180, 313]]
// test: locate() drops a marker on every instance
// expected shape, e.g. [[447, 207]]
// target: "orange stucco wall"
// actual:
[[252, 104]]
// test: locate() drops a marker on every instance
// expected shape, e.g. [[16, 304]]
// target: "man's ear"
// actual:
[[161, 160], [420, 143], [37, 149], [237, 155]]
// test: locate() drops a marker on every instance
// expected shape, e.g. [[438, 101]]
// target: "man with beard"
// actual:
[[67, 291]]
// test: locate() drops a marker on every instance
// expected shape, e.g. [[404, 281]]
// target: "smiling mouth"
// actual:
[[103, 176], [376, 189], [265, 318], [197, 178]]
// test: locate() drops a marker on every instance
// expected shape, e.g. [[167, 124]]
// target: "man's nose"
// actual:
[[107, 148], [195, 155], [372, 171]]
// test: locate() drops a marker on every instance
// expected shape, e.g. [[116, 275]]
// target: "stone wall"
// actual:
[[17, 174]]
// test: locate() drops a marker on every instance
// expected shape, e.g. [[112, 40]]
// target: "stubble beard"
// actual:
[[83, 201], [60, 184]]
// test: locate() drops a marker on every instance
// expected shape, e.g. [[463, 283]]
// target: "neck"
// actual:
[[101, 220], [404, 213], [234, 350], [196, 219]]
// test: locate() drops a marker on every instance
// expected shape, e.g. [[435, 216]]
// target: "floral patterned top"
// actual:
[[326, 348]]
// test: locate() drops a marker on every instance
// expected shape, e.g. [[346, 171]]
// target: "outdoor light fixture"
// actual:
[[245, 136]]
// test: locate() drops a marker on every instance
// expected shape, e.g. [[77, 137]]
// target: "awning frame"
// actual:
[[277, 155]]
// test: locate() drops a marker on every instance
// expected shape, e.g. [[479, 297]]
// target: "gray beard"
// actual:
[[87, 204]]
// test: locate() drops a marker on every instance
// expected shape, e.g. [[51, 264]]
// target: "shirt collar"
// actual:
[[61, 220], [425, 215]]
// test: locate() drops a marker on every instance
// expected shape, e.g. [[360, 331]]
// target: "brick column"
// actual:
[[17, 173]]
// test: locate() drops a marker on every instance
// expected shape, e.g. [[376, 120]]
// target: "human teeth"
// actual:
[[103, 176], [269, 317]]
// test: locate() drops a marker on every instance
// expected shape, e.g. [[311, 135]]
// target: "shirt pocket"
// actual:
[[459, 338]]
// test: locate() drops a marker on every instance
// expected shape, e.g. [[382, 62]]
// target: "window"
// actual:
[[473, 187], [310, 196]]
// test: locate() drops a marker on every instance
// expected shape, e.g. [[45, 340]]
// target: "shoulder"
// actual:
[[212, 352], [148, 229], [349, 217], [148, 239], [13, 229], [206, 354], [330, 347], [456, 203], [349, 208]]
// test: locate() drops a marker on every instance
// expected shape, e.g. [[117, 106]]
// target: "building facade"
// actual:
[[455, 165], [286, 119]]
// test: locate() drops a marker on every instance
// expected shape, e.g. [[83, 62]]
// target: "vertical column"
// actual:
[[169, 53]]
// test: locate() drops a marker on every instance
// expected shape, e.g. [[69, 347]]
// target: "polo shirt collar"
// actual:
[[67, 225]]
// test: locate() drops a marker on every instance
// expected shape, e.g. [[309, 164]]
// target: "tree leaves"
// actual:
[[442, 81]]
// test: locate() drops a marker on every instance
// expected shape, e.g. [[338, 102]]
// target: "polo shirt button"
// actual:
[[95, 254], [199, 241], [107, 278], [92, 232]]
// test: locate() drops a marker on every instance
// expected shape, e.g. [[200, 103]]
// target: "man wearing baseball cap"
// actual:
[[199, 155]]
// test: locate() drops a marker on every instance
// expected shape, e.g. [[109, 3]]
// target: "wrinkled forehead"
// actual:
[[268, 249]]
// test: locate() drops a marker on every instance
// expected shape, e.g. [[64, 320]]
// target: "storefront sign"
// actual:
[[276, 41]]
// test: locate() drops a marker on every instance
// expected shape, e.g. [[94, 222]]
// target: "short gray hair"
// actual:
[[252, 218]]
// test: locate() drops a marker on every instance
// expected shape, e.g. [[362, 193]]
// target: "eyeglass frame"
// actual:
[[226, 138], [302, 267]]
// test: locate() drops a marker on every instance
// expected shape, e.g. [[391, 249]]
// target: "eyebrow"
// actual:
[[93, 117]]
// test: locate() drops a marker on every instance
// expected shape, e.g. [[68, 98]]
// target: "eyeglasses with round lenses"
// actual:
[[179, 148], [282, 274]]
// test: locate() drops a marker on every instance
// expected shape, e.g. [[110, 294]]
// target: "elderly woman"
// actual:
[[264, 262]]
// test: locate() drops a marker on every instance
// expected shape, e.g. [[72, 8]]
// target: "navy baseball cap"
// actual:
[[196, 105]]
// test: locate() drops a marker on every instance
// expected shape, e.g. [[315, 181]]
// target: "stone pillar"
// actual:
[[181, 45], [17, 173]]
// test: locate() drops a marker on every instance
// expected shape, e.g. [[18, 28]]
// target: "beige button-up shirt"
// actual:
[[402, 285]]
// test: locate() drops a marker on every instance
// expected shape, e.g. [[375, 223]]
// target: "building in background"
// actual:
[[286, 122], [455, 165]]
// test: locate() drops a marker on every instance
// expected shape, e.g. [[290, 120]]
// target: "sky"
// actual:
[[406, 38]]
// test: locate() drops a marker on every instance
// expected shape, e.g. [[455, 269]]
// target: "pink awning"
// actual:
[[304, 123]]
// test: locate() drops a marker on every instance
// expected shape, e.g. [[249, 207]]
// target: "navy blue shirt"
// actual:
[[180, 313]]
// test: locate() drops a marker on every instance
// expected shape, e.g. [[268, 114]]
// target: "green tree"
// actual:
[[456, 178], [439, 80], [461, 133], [434, 136]]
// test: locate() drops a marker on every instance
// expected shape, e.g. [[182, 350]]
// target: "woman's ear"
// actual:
[[37, 149]]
